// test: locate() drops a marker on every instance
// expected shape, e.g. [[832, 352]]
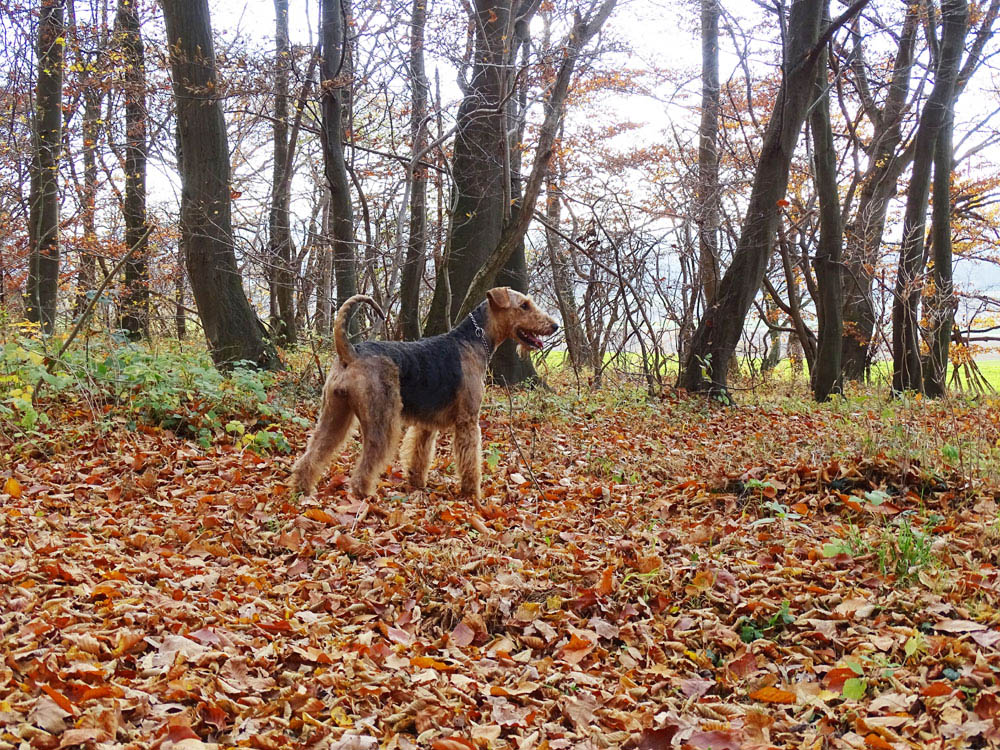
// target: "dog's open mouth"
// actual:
[[529, 339]]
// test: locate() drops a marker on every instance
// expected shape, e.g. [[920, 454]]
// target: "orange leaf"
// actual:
[[801, 508], [836, 677], [936, 689], [452, 743], [12, 487], [773, 695], [783, 203], [427, 662], [318, 514], [61, 700], [607, 584], [873, 740]]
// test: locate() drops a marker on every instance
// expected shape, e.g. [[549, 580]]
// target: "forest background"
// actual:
[[787, 210]]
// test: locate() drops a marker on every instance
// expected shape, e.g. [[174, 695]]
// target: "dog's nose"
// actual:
[[555, 327]]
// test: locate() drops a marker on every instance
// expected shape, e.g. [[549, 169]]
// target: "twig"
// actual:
[[319, 365], [524, 460]]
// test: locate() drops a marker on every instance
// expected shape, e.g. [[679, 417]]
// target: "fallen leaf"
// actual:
[[773, 695]]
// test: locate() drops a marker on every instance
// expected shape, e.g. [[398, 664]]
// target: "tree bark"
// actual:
[[478, 210], [135, 302], [576, 339], [416, 246], [707, 194], [906, 361], [864, 233], [43, 230], [721, 326], [280, 275], [943, 303], [86, 279], [232, 329], [826, 374], [335, 76]]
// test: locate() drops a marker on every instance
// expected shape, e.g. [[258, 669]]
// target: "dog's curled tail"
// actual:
[[345, 349]]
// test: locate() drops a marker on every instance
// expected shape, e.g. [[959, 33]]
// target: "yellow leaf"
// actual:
[[12, 487]]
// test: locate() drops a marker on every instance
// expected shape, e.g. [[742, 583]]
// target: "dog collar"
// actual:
[[481, 335]]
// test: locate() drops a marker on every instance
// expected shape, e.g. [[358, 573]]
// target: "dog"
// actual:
[[428, 385]]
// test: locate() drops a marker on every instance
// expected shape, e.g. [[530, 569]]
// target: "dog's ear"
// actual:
[[499, 297]]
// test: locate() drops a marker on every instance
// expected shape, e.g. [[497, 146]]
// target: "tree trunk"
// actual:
[[416, 247], [943, 303], [825, 374], [324, 273], [478, 209], [335, 77], [86, 279], [180, 314], [135, 302], [906, 361], [707, 196], [233, 331], [576, 339], [43, 230], [280, 274], [721, 327], [864, 233]]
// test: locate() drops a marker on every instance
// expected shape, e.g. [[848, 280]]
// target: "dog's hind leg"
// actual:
[[468, 456], [336, 420], [418, 452], [379, 410]]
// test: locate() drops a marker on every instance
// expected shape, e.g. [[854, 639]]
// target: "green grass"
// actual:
[[631, 362]]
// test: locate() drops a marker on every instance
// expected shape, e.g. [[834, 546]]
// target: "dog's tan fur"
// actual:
[[364, 387]]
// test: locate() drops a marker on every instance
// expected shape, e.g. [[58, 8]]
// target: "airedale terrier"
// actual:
[[429, 385]]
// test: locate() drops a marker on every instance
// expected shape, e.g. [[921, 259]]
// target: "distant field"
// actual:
[[632, 362]]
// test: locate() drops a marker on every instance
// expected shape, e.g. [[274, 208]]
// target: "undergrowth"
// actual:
[[169, 386]]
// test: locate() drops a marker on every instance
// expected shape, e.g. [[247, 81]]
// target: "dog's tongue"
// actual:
[[533, 340]]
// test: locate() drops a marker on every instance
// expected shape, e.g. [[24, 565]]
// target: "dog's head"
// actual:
[[513, 315]]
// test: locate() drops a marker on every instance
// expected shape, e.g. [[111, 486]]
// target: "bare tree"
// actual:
[[135, 304], [721, 327], [416, 246], [826, 373], [232, 329], [282, 284], [335, 76], [906, 362], [707, 197], [43, 229]]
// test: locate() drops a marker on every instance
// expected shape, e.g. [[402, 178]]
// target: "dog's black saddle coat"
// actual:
[[430, 370]]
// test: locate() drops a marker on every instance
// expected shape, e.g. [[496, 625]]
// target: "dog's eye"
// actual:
[[526, 305]]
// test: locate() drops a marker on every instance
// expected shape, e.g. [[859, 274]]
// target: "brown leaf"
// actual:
[[988, 706], [82, 736], [959, 626], [695, 687], [657, 739], [715, 740], [48, 715], [462, 635], [452, 743]]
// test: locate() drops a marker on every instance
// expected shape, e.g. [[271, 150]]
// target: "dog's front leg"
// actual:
[[468, 456]]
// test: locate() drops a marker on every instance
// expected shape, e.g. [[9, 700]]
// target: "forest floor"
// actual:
[[646, 573]]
